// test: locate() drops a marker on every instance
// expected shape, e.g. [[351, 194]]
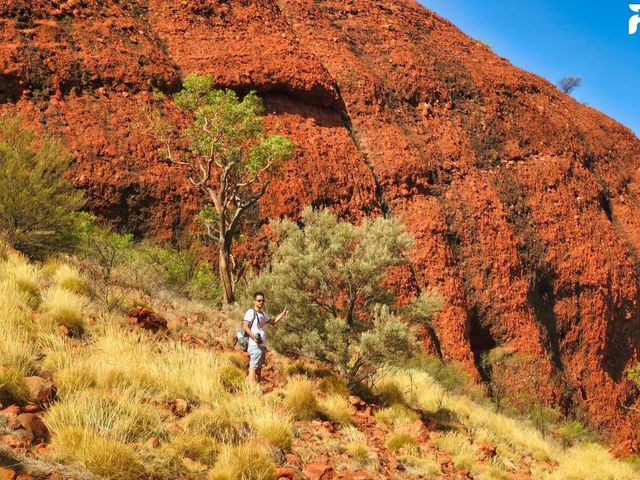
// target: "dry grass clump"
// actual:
[[62, 307], [73, 379], [422, 466], [243, 462], [356, 445], [463, 453], [336, 408], [591, 462], [13, 389], [334, 385], [17, 341], [69, 278], [300, 399], [107, 458], [23, 276], [232, 378], [168, 461], [273, 427], [400, 440], [165, 370], [120, 415], [395, 414], [390, 391], [219, 424]]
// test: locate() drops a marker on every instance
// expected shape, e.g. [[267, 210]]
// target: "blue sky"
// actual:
[[588, 39]]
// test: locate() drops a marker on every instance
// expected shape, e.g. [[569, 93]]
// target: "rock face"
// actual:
[[524, 202]]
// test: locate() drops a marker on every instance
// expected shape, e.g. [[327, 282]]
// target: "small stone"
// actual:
[[293, 459], [153, 442], [419, 431], [319, 471], [31, 408], [285, 472], [25, 477], [7, 474], [32, 422], [179, 407], [41, 391]]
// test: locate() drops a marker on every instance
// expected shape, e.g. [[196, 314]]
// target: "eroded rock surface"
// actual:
[[523, 201]]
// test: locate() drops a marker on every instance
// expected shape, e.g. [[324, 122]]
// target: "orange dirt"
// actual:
[[524, 202]]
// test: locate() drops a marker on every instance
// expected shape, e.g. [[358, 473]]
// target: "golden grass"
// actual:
[[62, 307], [395, 414], [13, 389], [168, 461], [107, 458], [219, 424], [463, 453], [336, 408], [120, 415], [334, 385], [300, 400], [356, 445], [390, 391], [422, 466], [591, 462], [243, 462], [400, 440], [23, 276], [69, 278]]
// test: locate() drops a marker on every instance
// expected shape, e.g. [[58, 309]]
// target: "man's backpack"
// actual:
[[242, 339]]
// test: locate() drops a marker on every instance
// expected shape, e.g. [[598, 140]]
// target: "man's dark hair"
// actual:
[[255, 295]]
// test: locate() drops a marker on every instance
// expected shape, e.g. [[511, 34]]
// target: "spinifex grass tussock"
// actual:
[[591, 462], [218, 423], [336, 408], [243, 462], [432, 397], [389, 391], [56, 350], [401, 439], [110, 459], [300, 399], [356, 445], [334, 385], [13, 389], [164, 370], [17, 341], [168, 461], [394, 414], [266, 421], [69, 278], [62, 307], [24, 276], [119, 415], [423, 465], [463, 453]]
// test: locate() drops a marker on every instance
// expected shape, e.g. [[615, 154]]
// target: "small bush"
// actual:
[[334, 385], [107, 458], [336, 408], [218, 424], [395, 414], [243, 462], [633, 373], [62, 307], [400, 440], [37, 203], [13, 389], [300, 400]]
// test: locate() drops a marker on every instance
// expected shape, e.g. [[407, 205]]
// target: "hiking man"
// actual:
[[254, 322]]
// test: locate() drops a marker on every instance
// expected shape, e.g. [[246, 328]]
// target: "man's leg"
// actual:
[[252, 375], [258, 375]]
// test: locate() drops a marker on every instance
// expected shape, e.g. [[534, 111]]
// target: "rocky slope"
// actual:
[[523, 201]]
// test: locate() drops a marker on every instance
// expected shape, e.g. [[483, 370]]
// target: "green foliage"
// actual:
[[229, 156], [633, 374], [330, 274], [573, 431], [37, 204]]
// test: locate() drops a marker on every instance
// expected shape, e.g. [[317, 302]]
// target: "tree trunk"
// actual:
[[228, 287]]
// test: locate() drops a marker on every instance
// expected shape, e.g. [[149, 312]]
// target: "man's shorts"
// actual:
[[257, 355]]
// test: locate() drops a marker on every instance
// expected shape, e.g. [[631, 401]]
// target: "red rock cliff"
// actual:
[[523, 201]]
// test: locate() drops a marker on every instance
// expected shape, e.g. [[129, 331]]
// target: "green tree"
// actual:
[[331, 275], [37, 204], [229, 159]]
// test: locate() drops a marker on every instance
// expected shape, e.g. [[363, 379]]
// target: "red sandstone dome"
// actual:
[[524, 202]]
